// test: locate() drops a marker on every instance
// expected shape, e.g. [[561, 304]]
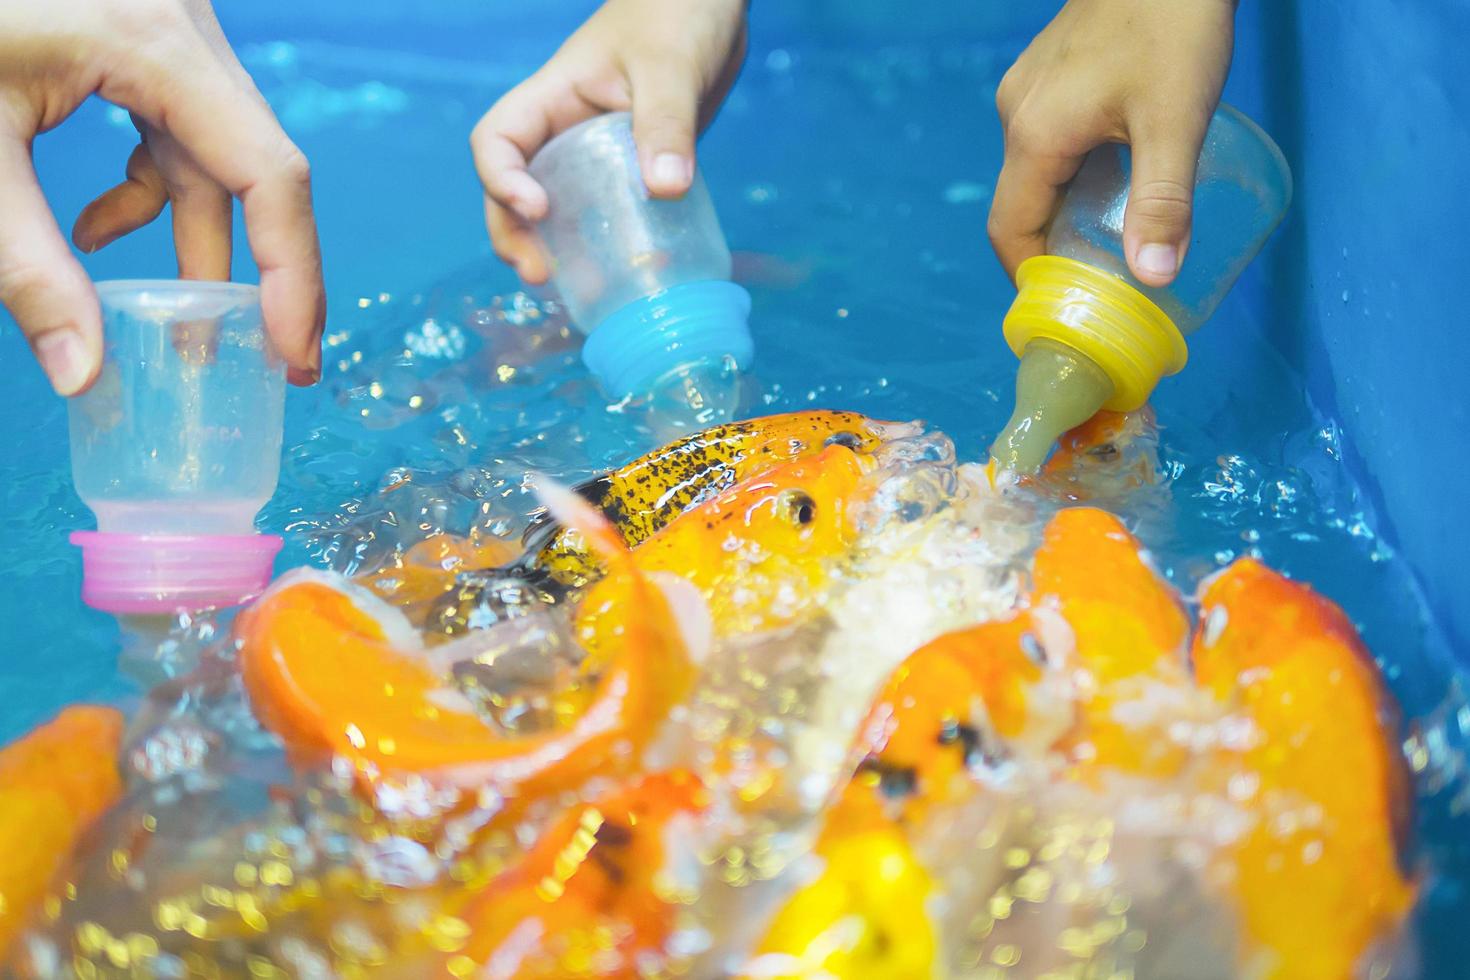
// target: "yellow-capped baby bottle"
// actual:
[[1091, 336]]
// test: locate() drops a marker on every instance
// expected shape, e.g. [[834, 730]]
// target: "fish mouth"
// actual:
[[891, 431]]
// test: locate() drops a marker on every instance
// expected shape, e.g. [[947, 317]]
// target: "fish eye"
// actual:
[[849, 439], [798, 507]]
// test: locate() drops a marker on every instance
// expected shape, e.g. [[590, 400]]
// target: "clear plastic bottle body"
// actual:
[[647, 280], [181, 433], [1242, 189], [610, 242]]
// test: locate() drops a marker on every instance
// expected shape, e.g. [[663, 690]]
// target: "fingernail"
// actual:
[[63, 357], [1158, 260], [671, 169]]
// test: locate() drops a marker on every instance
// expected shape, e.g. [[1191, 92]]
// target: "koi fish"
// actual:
[[956, 704], [758, 551], [1123, 445], [1130, 630], [757, 555], [54, 783], [646, 495], [863, 917], [1316, 881], [593, 896], [336, 673]]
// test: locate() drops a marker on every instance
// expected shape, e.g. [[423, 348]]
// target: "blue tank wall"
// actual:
[[1371, 102]]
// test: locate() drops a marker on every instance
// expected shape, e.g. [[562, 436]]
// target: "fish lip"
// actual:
[[890, 431]]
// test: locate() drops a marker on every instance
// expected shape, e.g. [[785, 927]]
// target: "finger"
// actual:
[[665, 112], [504, 141], [237, 142], [516, 243], [1156, 223], [1026, 196], [203, 224], [714, 99], [41, 283], [125, 208]]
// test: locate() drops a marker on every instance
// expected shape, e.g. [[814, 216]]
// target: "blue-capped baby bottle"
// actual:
[[647, 280]]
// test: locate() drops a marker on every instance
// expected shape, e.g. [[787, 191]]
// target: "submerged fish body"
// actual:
[[864, 916], [1316, 881], [1120, 448], [590, 898], [54, 783]]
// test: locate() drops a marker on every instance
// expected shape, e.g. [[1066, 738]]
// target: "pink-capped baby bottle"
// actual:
[[176, 448]]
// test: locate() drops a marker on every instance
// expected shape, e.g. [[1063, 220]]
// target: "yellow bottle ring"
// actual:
[[1101, 316]]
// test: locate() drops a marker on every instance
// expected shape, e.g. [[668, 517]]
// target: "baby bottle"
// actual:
[[647, 280], [1090, 335], [176, 447]]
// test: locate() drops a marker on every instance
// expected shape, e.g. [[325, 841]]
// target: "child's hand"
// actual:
[[207, 136], [670, 61], [1143, 72]]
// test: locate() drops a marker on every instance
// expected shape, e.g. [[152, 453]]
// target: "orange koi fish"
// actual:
[[54, 783], [337, 674], [929, 726], [1130, 631], [1317, 880], [759, 552], [648, 494], [592, 898]]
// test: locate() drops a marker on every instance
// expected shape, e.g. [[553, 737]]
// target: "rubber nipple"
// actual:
[[1057, 388], [1087, 340], [694, 396]]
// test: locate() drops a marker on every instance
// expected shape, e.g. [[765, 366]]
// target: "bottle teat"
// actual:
[[1057, 388], [1087, 340], [693, 396]]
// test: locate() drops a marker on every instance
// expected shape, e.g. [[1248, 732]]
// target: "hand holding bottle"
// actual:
[[671, 62], [1147, 73], [207, 136]]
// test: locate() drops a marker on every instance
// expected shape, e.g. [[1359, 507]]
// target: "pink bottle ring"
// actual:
[[170, 573]]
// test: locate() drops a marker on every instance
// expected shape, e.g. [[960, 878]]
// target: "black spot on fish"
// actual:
[[1033, 650], [608, 863], [614, 835], [894, 782], [849, 439]]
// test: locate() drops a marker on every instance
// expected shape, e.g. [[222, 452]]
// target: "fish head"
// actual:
[[801, 510], [759, 552]]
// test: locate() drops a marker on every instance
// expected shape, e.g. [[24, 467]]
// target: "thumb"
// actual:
[[41, 283], [1156, 225], [665, 111]]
